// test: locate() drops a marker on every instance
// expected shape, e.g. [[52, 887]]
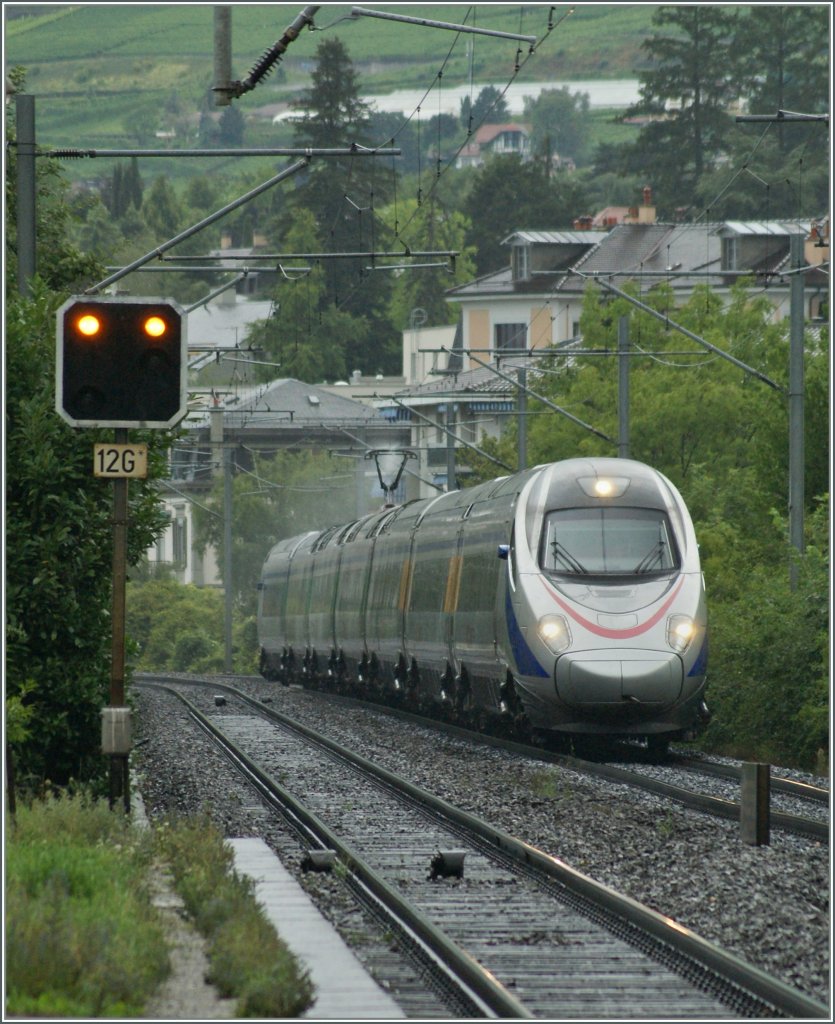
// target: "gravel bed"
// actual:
[[768, 905], [727, 789]]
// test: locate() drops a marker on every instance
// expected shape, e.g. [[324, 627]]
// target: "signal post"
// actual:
[[121, 363]]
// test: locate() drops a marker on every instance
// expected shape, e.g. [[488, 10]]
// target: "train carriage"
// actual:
[[567, 598]]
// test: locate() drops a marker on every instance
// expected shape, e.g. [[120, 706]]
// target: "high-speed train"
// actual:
[[564, 599]]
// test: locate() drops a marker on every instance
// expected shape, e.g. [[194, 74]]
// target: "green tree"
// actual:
[[57, 516], [288, 493], [308, 336], [518, 195], [489, 107], [231, 127], [784, 59], [434, 227], [174, 627], [687, 90], [162, 209], [560, 123], [344, 193]]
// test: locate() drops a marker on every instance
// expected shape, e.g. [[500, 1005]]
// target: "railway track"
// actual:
[[788, 796], [520, 933], [641, 776]]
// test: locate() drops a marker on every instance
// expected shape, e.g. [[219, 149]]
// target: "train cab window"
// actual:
[[608, 542]]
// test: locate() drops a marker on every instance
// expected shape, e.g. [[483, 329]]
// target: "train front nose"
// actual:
[[626, 679]]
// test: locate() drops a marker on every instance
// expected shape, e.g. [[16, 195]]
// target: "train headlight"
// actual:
[[554, 633], [680, 631], [603, 486]]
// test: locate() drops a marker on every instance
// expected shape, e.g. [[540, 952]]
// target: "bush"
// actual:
[[179, 627], [81, 936], [769, 684], [247, 958]]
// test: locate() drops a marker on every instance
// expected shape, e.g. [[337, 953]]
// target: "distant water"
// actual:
[[616, 93]]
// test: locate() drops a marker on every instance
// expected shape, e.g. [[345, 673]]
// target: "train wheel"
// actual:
[[447, 693], [463, 692], [658, 747], [264, 666]]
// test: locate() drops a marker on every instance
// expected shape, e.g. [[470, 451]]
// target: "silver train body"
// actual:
[[568, 597]]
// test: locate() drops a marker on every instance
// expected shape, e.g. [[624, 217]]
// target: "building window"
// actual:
[[730, 253], [520, 259], [510, 336], [180, 542]]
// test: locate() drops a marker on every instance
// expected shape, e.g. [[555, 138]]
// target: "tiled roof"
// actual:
[[556, 237], [780, 228], [291, 401], [487, 132], [480, 381]]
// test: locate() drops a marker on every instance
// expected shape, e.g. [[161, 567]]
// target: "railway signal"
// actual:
[[121, 362]]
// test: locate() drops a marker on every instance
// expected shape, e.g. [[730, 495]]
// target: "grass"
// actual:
[[247, 960], [83, 939]]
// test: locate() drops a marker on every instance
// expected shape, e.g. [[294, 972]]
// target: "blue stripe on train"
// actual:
[[700, 664], [526, 663]]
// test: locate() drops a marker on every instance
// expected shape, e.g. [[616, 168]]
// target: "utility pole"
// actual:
[[223, 56], [522, 408], [450, 446], [220, 444], [623, 387], [25, 126], [796, 404]]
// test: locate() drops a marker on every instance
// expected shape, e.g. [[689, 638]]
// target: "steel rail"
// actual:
[[689, 798], [478, 984], [725, 965], [791, 787]]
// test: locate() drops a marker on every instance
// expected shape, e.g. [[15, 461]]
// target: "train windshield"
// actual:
[[608, 541]]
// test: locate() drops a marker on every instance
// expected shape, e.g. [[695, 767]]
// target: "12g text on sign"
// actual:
[[120, 460]]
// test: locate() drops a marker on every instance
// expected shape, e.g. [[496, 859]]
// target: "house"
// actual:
[[233, 434], [460, 383], [454, 412], [495, 140], [536, 301]]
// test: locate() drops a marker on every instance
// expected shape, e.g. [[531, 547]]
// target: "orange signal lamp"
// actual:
[[89, 325], [155, 327]]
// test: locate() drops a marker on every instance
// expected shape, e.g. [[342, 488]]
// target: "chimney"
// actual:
[[646, 214], [583, 223], [816, 246]]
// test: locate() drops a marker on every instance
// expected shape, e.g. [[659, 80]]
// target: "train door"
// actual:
[[476, 617], [434, 588], [388, 587], [352, 590]]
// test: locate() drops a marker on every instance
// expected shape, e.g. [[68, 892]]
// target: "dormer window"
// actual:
[[520, 261], [730, 253]]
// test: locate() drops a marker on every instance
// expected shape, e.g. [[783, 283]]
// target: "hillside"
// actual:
[[103, 74]]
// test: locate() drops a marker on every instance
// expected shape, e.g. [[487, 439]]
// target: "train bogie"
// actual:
[[567, 598]]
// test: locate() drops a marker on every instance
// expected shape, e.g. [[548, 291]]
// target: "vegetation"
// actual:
[[247, 959], [176, 628], [101, 74], [721, 437], [82, 939], [704, 58], [58, 524]]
